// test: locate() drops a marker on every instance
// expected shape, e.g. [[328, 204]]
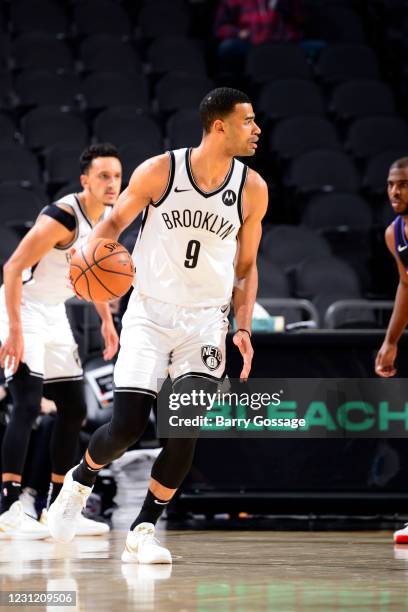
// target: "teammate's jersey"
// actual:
[[186, 247], [401, 243], [46, 281]]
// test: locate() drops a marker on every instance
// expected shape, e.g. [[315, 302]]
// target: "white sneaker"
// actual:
[[401, 536], [84, 526], [27, 499], [64, 513], [142, 547], [16, 525]]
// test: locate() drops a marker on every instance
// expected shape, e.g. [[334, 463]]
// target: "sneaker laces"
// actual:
[[72, 501], [147, 536]]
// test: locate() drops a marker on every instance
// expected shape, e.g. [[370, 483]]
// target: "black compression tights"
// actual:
[[26, 393], [69, 398], [130, 416]]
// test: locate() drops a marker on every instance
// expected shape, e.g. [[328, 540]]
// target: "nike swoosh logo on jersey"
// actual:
[[224, 309], [160, 503], [177, 190], [401, 248]]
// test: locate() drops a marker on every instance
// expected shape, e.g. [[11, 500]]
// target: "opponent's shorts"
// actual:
[[50, 351], [160, 339]]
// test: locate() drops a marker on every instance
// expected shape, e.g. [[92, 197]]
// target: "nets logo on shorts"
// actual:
[[229, 197], [211, 356]]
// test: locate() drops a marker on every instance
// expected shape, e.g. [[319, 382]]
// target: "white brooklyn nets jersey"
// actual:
[[186, 247], [46, 281]]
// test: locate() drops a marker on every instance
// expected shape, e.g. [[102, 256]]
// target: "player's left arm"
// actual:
[[108, 330], [255, 204]]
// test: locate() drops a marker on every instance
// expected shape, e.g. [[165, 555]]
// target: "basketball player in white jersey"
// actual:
[[38, 348], [197, 248]]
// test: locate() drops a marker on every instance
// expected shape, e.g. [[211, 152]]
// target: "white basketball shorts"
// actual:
[[160, 339], [50, 351]]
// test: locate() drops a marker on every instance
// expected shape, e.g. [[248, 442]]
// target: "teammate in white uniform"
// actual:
[[38, 347], [197, 248]]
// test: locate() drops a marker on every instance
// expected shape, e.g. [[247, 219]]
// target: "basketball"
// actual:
[[101, 270]]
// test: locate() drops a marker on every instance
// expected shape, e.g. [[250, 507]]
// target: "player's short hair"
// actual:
[[219, 103], [101, 149], [400, 164]]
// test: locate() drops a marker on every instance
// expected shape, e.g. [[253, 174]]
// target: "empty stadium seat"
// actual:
[[44, 88], [361, 98], [288, 97], [175, 54], [62, 164], [101, 16], [7, 130], [18, 165], [46, 126], [105, 89], [276, 61], [122, 125], [288, 245], [174, 20], [294, 136], [176, 91], [322, 170], [341, 211], [17, 205], [41, 51], [325, 280], [105, 52], [184, 129], [133, 154], [373, 135], [8, 243], [344, 62], [37, 16]]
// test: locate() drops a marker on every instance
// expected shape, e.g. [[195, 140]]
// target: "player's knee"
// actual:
[[69, 398], [130, 416], [26, 392]]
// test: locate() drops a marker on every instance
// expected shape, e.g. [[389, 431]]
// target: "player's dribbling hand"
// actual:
[[243, 342], [111, 340], [11, 352], [384, 363]]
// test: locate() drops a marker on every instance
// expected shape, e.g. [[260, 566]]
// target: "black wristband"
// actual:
[[244, 330]]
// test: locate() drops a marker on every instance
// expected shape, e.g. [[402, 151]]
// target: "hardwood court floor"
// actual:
[[219, 571]]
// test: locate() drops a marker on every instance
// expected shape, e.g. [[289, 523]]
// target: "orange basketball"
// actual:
[[101, 270]]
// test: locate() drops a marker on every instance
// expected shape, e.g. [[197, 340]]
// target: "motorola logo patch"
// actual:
[[229, 197]]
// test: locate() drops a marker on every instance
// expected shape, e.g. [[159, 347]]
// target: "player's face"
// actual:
[[241, 131], [103, 179], [398, 190]]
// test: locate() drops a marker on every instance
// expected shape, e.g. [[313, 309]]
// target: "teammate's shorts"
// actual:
[[50, 351], [160, 339]]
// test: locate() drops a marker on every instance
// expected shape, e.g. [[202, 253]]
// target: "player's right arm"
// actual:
[[147, 184], [42, 237], [384, 363]]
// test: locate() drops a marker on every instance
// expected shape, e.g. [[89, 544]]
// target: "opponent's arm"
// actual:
[[42, 237], [246, 273], [384, 364], [148, 182]]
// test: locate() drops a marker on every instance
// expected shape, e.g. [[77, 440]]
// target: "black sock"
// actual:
[[10, 492], [53, 492], [84, 474], [151, 510]]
